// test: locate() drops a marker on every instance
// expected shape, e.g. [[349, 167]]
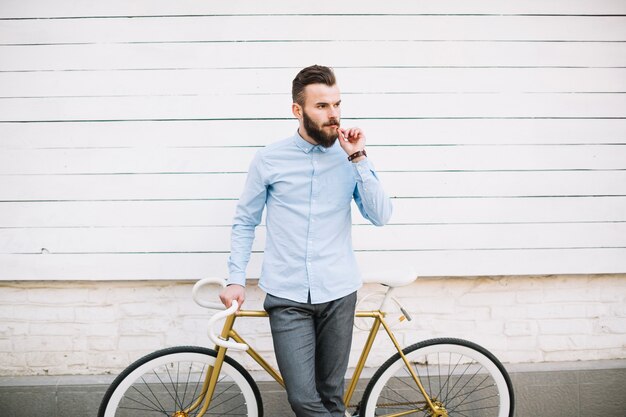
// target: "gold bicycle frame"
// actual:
[[379, 320]]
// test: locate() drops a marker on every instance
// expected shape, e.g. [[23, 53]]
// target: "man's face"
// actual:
[[321, 113]]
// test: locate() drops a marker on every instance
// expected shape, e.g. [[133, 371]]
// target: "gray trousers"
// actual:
[[312, 345]]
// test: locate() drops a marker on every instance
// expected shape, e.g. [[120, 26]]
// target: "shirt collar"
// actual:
[[306, 146]]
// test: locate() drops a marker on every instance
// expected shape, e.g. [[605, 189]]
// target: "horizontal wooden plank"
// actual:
[[119, 240], [515, 262], [390, 158], [276, 80], [489, 236], [123, 8], [294, 55], [229, 186], [125, 240], [504, 184], [117, 213], [313, 28], [499, 158], [212, 133], [425, 263], [221, 212], [114, 267], [468, 105], [120, 187], [214, 160]]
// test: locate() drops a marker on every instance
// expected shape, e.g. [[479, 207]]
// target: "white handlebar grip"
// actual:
[[208, 304], [218, 340]]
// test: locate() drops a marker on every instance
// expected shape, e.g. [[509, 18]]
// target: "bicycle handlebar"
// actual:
[[204, 303], [224, 312], [217, 339]]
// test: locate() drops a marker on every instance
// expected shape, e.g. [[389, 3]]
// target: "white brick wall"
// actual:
[[66, 327]]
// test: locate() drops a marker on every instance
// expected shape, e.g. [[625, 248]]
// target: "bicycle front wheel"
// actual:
[[460, 376], [168, 382]]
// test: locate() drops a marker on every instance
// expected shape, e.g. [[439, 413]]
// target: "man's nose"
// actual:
[[333, 113]]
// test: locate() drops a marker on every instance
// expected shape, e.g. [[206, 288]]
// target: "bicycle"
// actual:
[[436, 377]]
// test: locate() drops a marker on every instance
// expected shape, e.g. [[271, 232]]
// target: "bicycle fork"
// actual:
[[210, 381]]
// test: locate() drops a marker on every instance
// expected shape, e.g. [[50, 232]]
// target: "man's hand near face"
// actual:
[[351, 141]]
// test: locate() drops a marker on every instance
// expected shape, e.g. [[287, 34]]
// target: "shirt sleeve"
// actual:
[[369, 195], [247, 217]]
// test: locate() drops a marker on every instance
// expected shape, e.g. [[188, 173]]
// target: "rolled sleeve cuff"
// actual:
[[236, 279], [365, 163]]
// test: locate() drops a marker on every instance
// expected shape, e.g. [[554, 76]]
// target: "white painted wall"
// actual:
[[126, 129]]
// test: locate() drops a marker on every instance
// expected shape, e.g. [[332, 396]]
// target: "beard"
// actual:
[[318, 134]]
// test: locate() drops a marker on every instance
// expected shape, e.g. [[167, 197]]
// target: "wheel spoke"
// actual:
[[152, 407]]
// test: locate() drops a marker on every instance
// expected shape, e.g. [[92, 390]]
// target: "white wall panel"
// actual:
[[117, 214], [121, 187], [215, 239], [505, 184], [426, 105], [416, 80], [380, 132], [196, 266], [292, 54], [115, 266], [186, 213], [228, 186], [314, 28], [67, 8], [122, 240], [386, 158], [126, 128]]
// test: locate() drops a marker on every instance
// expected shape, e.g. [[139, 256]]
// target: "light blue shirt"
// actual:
[[307, 190]]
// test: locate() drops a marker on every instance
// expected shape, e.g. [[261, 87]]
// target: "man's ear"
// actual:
[[296, 109]]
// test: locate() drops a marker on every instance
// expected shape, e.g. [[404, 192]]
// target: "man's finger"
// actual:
[[341, 134]]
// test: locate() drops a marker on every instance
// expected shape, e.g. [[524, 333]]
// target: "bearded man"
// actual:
[[307, 183]]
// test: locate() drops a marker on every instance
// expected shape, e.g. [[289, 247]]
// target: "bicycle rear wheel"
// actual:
[[464, 378], [170, 380]]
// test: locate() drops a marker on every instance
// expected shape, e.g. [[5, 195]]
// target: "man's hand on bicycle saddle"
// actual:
[[233, 292]]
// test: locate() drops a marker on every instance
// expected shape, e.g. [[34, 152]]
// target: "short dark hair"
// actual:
[[315, 74]]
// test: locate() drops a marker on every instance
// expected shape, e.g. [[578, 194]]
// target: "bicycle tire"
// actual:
[[169, 380], [462, 376]]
